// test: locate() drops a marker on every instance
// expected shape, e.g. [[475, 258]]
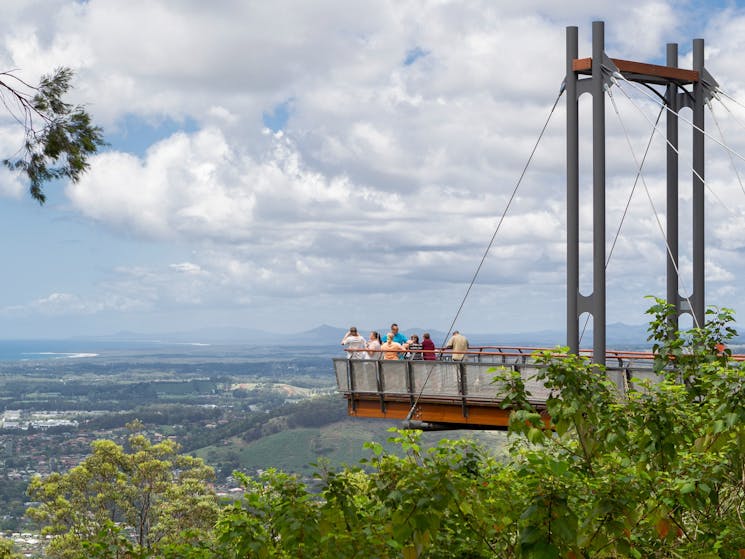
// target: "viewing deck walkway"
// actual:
[[451, 394]]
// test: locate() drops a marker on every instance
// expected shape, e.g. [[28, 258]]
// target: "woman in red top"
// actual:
[[428, 347]]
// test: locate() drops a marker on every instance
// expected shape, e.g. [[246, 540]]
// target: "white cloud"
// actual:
[[640, 41], [188, 268], [61, 304], [387, 178]]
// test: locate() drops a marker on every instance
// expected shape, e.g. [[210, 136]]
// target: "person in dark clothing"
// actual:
[[428, 347], [415, 348]]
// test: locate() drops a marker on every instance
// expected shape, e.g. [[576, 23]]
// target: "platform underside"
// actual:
[[448, 394], [433, 415]]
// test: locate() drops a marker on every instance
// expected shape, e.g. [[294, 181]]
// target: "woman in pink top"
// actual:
[[428, 347], [373, 346]]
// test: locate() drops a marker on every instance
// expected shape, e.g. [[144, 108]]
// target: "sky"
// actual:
[[282, 165]]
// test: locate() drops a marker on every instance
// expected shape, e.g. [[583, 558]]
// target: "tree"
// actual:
[[134, 502], [657, 473], [59, 137], [438, 504], [7, 550]]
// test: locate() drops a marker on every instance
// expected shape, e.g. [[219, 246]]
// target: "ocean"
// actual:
[[34, 350]]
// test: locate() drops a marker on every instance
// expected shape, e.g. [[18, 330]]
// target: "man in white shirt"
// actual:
[[352, 340], [459, 344]]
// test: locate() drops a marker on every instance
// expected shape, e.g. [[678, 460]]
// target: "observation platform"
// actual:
[[459, 394]]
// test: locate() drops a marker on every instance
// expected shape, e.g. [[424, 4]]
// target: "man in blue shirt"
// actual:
[[398, 337]]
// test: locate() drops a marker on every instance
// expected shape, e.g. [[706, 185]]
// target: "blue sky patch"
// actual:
[[277, 119], [414, 54], [135, 134]]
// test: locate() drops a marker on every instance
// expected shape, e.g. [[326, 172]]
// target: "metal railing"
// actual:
[[463, 378]]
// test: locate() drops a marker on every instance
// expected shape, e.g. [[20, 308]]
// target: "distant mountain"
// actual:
[[225, 335], [321, 335], [219, 336], [618, 335], [541, 338]]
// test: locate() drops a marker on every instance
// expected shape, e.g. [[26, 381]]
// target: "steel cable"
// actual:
[[721, 134], [615, 75], [649, 197], [626, 209], [491, 242]]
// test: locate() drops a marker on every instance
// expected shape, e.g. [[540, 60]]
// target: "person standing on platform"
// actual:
[[373, 346], [428, 347], [415, 348], [352, 340], [459, 344], [391, 349], [398, 337]]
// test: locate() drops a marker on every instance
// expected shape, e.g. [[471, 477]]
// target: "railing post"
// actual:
[[351, 384], [381, 387], [463, 387], [409, 382]]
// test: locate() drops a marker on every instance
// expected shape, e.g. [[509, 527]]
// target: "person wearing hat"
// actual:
[[352, 340]]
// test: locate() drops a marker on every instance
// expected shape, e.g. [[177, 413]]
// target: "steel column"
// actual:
[[598, 193], [672, 257], [698, 297], [673, 78], [572, 52]]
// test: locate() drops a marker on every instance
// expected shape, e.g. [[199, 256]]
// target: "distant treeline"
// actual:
[[315, 412], [163, 414], [270, 367]]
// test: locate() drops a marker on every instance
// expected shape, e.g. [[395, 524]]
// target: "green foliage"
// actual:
[[656, 471], [691, 356], [59, 137], [137, 502], [12, 498], [7, 550], [438, 503]]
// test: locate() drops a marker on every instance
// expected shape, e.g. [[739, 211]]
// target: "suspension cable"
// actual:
[[732, 159], [676, 150], [625, 210], [728, 96], [651, 203], [731, 114], [684, 119], [491, 242]]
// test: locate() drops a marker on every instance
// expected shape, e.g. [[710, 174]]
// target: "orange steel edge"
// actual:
[[524, 351], [438, 413], [584, 65]]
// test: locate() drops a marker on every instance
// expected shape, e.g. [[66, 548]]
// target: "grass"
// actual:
[[294, 450]]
